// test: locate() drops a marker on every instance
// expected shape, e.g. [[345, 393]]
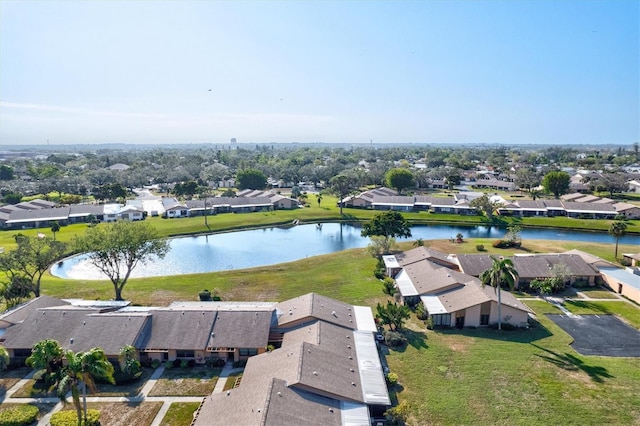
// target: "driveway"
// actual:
[[601, 335]]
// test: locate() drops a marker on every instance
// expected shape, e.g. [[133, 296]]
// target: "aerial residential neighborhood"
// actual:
[[319, 213], [313, 356]]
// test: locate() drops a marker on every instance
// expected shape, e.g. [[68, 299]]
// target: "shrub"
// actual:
[[177, 363], [429, 323], [155, 363], [480, 247], [168, 365], [625, 262], [394, 339], [421, 312], [19, 416], [191, 363], [215, 362], [204, 295], [70, 418], [389, 286], [240, 364], [620, 217], [184, 363], [392, 379]]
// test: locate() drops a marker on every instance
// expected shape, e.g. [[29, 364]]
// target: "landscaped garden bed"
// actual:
[[126, 413], [190, 381]]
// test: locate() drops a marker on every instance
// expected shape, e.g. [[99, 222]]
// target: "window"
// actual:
[[185, 354], [484, 319], [248, 351], [442, 319]]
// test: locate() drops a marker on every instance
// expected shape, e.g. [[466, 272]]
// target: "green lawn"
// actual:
[[180, 414], [482, 376]]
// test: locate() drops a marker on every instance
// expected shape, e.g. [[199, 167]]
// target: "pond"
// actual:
[[268, 246]]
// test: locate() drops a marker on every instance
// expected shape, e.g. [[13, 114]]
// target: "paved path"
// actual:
[[142, 396]]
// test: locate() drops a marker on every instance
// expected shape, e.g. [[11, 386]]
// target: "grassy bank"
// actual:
[[327, 211], [346, 276]]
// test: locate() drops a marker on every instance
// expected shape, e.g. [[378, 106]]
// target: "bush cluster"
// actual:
[[19, 416], [505, 244], [70, 418], [392, 379], [394, 339]]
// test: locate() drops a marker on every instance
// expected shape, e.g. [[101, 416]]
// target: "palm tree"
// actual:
[[501, 272], [55, 227], [617, 229], [81, 369], [419, 242], [319, 198], [45, 355], [128, 361]]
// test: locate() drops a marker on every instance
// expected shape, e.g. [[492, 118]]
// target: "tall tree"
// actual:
[[31, 258], [400, 179], [341, 186], [389, 225], [556, 182], [319, 198], [117, 248], [55, 228], [128, 361], [46, 355], [617, 229], [484, 204], [501, 272], [80, 370], [251, 179], [393, 315]]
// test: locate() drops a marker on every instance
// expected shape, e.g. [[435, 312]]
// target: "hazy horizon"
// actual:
[[442, 72]]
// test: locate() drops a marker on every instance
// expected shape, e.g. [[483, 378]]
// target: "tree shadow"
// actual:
[[535, 331], [570, 362], [588, 305]]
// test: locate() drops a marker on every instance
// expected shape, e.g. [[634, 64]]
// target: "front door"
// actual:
[[460, 321]]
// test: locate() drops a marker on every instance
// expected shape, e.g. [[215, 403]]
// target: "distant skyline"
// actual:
[[457, 71]]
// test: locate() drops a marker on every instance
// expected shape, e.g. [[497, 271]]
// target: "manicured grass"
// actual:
[[321, 274], [180, 414], [598, 293], [231, 380], [196, 381], [126, 413], [482, 376], [626, 310]]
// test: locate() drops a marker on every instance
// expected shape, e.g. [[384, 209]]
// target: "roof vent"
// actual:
[[353, 383], [331, 410], [315, 373], [350, 357], [71, 341], [228, 392], [279, 393], [334, 314]]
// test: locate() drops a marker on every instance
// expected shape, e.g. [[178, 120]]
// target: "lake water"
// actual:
[[268, 246]]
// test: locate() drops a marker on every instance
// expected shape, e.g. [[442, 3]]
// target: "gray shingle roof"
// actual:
[[182, 330], [425, 253], [313, 306], [24, 310], [474, 264]]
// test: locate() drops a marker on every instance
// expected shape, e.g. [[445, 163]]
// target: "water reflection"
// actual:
[[268, 246]]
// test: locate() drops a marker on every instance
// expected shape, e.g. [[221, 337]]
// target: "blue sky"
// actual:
[[548, 72]]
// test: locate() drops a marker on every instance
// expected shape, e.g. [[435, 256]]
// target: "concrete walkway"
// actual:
[[142, 396]]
